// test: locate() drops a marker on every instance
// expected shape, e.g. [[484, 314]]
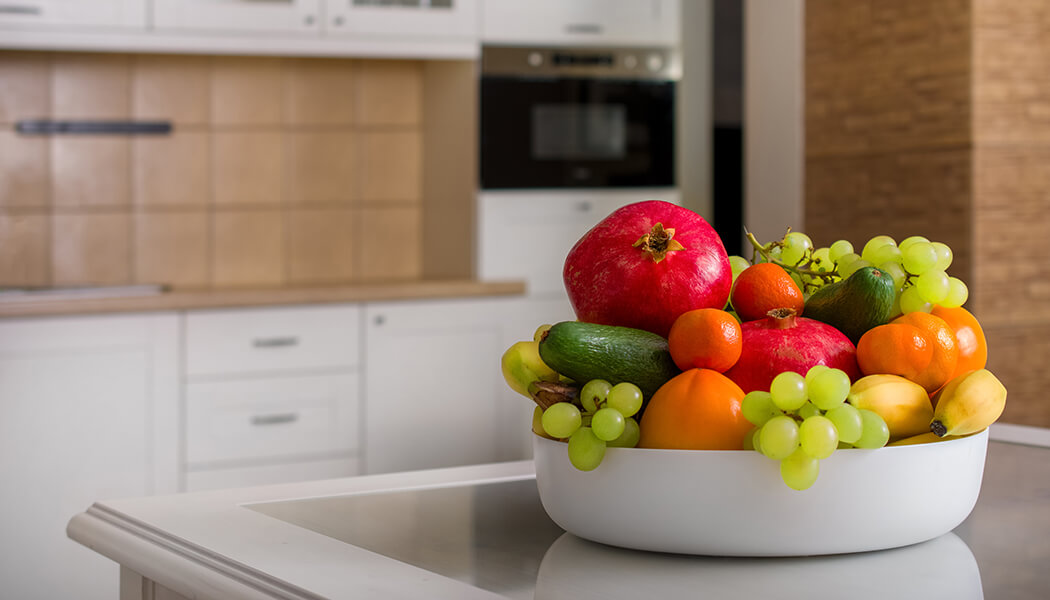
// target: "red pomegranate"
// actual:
[[645, 264], [784, 342]]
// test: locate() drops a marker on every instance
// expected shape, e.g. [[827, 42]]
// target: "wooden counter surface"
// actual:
[[76, 303]]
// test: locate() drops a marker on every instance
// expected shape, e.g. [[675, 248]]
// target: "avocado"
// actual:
[[586, 351], [855, 304]]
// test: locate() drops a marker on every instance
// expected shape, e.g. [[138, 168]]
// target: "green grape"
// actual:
[[798, 281], [896, 271], [853, 267], [795, 246], [537, 420], [885, 254], [839, 249], [829, 389], [737, 264], [757, 407], [630, 436], [799, 471], [846, 260], [957, 293], [944, 255], [818, 437], [911, 301], [788, 390], [594, 393], [626, 398], [808, 410], [847, 421], [756, 440], [586, 451], [749, 438], [872, 250], [876, 242], [779, 437], [607, 424], [822, 256], [562, 419], [875, 433], [908, 241], [919, 258], [813, 372], [932, 285]]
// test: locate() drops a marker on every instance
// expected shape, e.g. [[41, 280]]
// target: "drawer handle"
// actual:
[[20, 9], [275, 419], [276, 342]]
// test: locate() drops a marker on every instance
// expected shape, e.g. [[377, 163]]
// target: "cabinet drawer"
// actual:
[[214, 479], [271, 339], [270, 418]]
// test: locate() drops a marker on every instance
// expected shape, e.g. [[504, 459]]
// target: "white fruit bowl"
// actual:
[[733, 503]]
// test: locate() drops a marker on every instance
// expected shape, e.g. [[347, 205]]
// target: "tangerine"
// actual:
[[698, 409], [705, 338], [973, 348], [763, 287]]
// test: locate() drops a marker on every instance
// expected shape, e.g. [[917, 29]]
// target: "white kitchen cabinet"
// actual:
[[272, 394], [581, 22], [65, 13], [426, 18], [284, 16], [435, 395], [90, 412]]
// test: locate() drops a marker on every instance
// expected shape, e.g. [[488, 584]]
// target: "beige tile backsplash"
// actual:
[[279, 171]]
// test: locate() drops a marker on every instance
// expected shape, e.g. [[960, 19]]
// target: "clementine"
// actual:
[[973, 348], [762, 287], [897, 352], [706, 338], [698, 409]]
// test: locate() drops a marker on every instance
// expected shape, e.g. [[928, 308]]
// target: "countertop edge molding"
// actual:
[[134, 546], [54, 305]]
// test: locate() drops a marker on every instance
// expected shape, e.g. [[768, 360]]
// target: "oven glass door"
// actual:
[[563, 133]]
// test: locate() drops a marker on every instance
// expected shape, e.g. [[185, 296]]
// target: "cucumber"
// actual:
[[854, 305], [586, 351]]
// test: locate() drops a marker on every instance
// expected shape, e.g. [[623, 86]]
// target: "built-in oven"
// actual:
[[577, 117]]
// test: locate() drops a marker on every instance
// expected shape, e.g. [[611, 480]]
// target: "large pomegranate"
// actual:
[[645, 264], [784, 342]]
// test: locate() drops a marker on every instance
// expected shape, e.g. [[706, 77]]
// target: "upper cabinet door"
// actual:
[[431, 18], [581, 22], [238, 15], [88, 13]]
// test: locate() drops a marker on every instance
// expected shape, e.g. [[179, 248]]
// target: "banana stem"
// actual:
[[549, 393]]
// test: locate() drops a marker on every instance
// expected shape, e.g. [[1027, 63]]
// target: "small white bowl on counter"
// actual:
[[734, 503]]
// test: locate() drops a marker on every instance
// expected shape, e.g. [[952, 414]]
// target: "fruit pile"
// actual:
[[795, 352]]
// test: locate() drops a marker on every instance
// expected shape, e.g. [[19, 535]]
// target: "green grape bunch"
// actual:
[[803, 420], [604, 418], [917, 266]]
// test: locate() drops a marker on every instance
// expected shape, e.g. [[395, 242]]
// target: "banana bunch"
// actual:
[[903, 404], [968, 404]]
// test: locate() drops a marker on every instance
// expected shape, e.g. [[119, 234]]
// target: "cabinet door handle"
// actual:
[[275, 419], [20, 9], [276, 342], [584, 28]]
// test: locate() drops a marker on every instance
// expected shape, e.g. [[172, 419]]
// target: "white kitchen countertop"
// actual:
[[480, 532]]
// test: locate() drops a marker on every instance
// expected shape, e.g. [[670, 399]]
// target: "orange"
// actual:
[[761, 288], [705, 338], [896, 351], [973, 348], [698, 409]]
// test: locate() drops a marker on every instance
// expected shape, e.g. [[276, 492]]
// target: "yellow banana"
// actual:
[[903, 404], [968, 403], [922, 438], [521, 365]]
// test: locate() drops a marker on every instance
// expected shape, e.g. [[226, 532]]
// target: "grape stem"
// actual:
[[801, 268]]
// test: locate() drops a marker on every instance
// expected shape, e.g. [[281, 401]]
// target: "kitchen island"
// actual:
[[481, 532]]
